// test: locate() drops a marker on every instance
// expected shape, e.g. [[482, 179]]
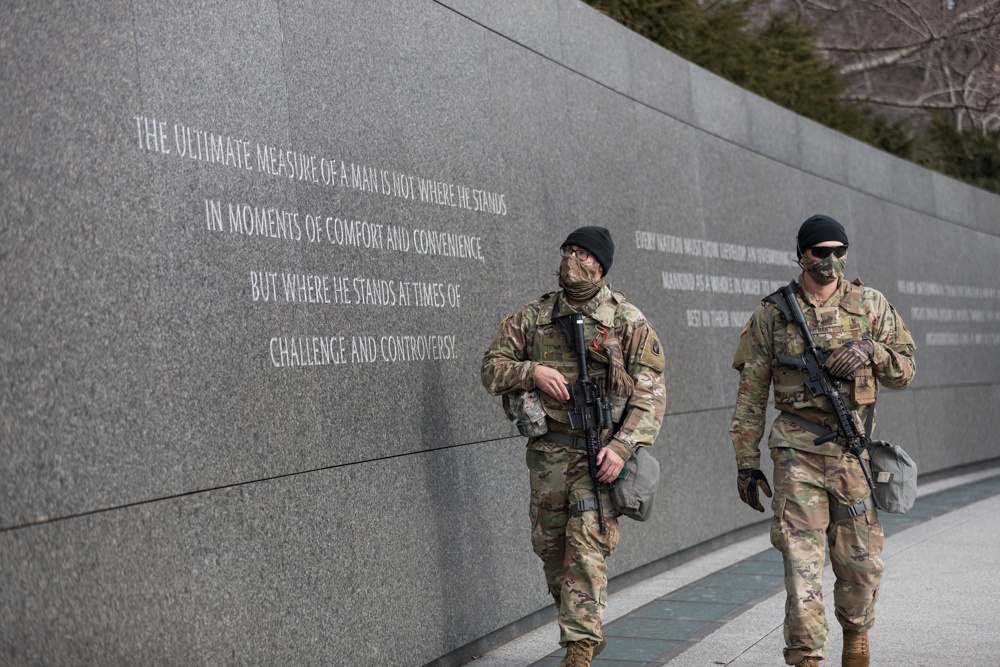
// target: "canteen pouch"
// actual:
[[895, 477], [524, 408], [632, 494]]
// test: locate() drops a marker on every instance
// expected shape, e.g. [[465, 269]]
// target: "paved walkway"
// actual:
[[938, 606]]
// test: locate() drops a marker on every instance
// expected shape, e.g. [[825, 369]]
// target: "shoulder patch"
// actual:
[[652, 353], [746, 327], [743, 350]]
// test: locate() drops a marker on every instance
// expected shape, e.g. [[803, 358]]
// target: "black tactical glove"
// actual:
[[846, 359], [747, 481]]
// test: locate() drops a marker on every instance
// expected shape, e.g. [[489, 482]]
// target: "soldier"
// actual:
[[530, 363], [818, 488]]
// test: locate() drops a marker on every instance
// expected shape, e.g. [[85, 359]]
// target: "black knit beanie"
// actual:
[[598, 241], [817, 229]]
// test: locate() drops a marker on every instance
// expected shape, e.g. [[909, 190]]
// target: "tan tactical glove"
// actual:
[[846, 359], [748, 480]]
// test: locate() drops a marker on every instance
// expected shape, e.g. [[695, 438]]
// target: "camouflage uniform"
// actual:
[[810, 480], [572, 550]]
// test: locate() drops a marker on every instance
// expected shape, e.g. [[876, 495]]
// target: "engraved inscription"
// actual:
[[979, 324], [332, 233], [179, 140]]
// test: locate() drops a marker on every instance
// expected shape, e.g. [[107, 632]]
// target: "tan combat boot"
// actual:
[[856, 650], [808, 661], [578, 654]]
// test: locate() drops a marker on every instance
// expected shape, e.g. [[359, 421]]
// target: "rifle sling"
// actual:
[[836, 513], [581, 506], [818, 430], [567, 327], [564, 323], [855, 510], [858, 508]]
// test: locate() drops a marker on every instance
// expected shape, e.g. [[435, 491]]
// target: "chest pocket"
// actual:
[[551, 347], [831, 327], [836, 327]]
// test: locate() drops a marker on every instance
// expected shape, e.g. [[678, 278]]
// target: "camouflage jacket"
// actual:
[[530, 337], [852, 313]]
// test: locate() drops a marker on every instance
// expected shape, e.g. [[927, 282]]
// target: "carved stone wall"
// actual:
[[252, 254]]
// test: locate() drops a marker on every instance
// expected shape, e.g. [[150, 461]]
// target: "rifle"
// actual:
[[819, 382], [590, 412]]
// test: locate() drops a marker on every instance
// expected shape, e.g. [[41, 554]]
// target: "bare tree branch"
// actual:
[[917, 104], [912, 56], [881, 61]]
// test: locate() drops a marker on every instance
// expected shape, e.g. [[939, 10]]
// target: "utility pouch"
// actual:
[[524, 408], [895, 476], [864, 386], [632, 494]]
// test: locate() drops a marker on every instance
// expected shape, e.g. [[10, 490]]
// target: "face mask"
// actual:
[[577, 280], [824, 271]]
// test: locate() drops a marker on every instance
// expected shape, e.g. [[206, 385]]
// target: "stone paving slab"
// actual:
[[732, 615]]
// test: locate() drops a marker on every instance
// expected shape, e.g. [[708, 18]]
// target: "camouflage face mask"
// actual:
[[577, 280], [824, 271]]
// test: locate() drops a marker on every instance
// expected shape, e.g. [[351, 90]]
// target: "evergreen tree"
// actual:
[[972, 155]]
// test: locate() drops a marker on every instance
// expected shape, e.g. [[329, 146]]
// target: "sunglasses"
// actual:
[[822, 252], [581, 254]]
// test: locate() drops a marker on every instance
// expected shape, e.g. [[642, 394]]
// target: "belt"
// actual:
[[565, 440], [857, 509]]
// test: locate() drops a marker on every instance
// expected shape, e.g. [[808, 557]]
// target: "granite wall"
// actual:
[[252, 254]]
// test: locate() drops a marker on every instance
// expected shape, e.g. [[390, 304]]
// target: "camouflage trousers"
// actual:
[[572, 548], [806, 486]]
